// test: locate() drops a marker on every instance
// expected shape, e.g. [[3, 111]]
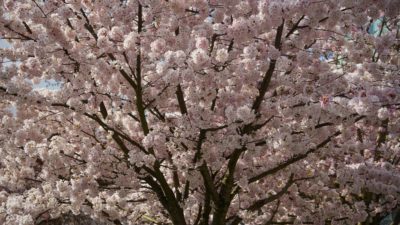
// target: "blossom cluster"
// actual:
[[200, 111]]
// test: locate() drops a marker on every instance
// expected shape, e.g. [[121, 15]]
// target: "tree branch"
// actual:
[[295, 26], [260, 203], [295, 159], [225, 196], [181, 100], [208, 182], [268, 75], [19, 33]]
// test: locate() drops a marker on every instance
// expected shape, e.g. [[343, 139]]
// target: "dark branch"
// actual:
[[181, 100], [295, 159], [268, 75], [295, 26], [260, 203]]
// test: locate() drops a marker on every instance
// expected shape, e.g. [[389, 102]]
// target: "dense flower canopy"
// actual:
[[198, 112]]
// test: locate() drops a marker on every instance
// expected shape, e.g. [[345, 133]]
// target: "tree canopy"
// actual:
[[195, 112]]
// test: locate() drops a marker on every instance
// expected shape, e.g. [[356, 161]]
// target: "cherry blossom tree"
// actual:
[[195, 112]]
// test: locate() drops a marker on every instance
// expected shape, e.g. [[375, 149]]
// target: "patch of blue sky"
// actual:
[[4, 44], [376, 29], [51, 85], [326, 56], [48, 85]]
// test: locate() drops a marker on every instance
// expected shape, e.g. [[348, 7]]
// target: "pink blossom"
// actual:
[[158, 46], [130, 41], [199, 112], [222, 55], [199, 57], [202, 43]]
